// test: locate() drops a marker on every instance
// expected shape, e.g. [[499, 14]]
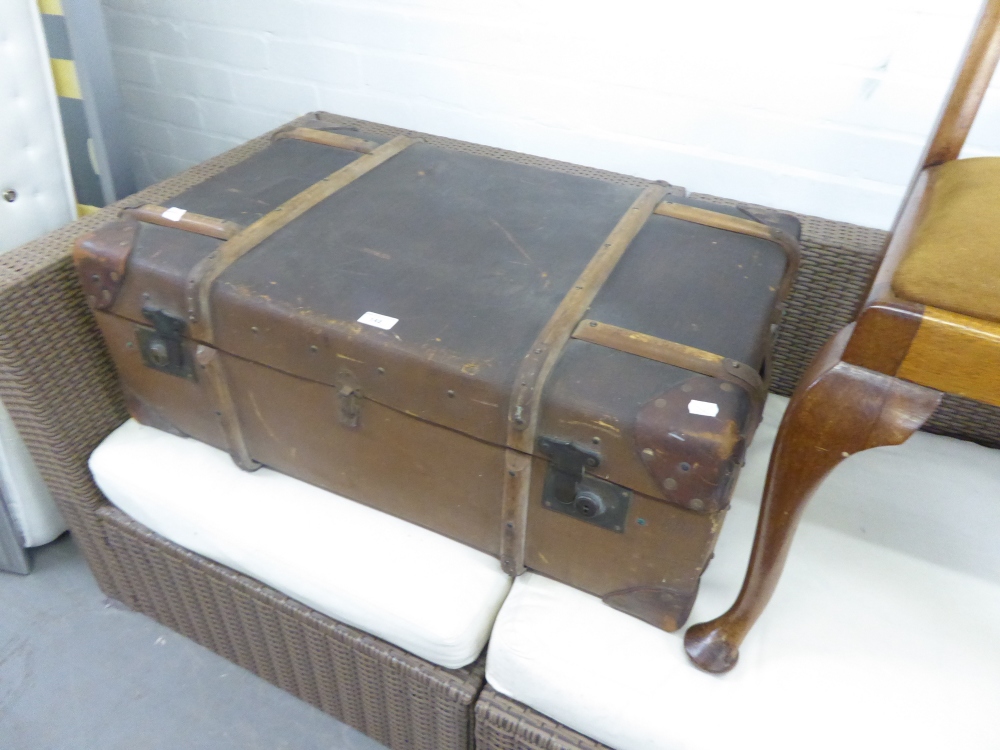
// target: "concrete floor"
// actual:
[[78, 672]]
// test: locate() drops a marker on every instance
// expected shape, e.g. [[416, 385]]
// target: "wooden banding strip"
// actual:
[[672, 353], [329, 138], [205, 272], [714, 219], [188, 222], [549, 344], [210, 368], [753, 227], [535, 368]]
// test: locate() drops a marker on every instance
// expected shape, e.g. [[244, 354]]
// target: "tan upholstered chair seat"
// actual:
[[954, 259]]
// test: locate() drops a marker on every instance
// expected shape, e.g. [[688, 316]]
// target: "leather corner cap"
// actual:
[[954, 259]]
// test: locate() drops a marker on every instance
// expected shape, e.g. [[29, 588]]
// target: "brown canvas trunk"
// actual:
[[557, 367]]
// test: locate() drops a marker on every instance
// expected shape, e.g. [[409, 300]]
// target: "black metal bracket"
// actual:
[[568, 489], [162, 347]]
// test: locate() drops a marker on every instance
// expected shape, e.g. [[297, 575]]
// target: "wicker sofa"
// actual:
[[61, 390]]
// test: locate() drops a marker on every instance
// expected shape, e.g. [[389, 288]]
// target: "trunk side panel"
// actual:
[[406, 467]]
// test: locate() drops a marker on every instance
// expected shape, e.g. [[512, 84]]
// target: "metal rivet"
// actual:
[[670, 484], [451, 393], [660, 403], [380, 371], [686, 388], [254, 329], [10, 195], [727, 387], [95, 277], [648, 452], [595, 440], [684, 466], [314, 348], [593, 324], [697, 504]]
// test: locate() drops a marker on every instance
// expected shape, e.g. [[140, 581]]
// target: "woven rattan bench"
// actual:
[[62, 393]]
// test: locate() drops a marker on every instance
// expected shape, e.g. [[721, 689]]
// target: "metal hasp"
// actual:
[[350, 405], [162, 347], [568, 489]]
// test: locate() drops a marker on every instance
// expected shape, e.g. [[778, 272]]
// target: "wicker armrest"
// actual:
[[56, 378]]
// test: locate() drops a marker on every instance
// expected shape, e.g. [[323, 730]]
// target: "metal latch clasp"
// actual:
[[350, 405], [162, 347], [570, 490]]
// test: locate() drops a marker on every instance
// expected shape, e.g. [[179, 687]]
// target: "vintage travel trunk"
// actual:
[[554, 365]]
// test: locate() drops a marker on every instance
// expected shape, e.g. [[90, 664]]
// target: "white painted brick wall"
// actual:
[[818, 107]]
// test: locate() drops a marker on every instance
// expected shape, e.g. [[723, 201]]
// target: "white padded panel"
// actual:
[[33, 158], [28, 500], [862, 646], [425, 593]]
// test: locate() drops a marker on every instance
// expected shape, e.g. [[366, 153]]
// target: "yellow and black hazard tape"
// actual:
[[76, 132]]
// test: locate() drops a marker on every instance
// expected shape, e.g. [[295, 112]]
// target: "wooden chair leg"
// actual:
[[837, 410]]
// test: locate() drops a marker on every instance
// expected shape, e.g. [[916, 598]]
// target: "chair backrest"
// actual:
[[967, 89]]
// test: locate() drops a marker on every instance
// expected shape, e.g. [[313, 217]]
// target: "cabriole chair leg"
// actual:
[[837, 410]]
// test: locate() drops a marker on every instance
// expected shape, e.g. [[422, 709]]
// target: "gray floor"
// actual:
[[78, 672]]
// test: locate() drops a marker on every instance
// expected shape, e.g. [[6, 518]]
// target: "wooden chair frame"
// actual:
[[878, 380]]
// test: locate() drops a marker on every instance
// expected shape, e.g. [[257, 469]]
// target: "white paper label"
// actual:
[[704, 408], [173, 214], [379, 321]]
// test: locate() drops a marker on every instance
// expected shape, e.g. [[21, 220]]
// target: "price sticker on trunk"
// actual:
[[379, 321], [173, 213], [704, 408]]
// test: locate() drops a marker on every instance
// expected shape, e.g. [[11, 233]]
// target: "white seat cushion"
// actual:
[[862, 646], [425, 593]]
